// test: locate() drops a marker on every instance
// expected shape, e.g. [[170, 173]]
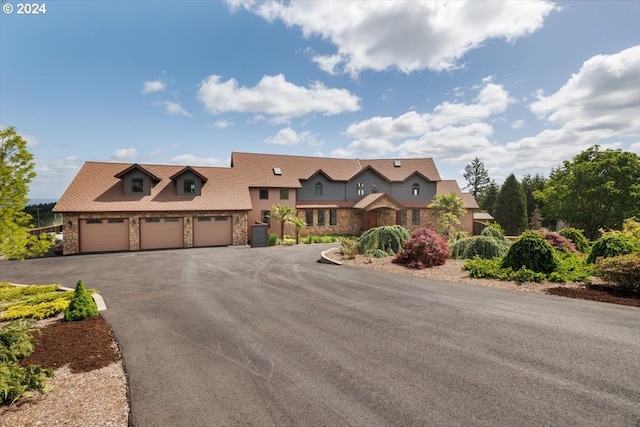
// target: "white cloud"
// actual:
[[491, 100], [191, 160], [175, 108], [276, 97], [635, 147], [599, 103], [365, 148], [124, 154], [408, 35], [53, 176], [151, 86], [288, 136], [223, 124], [517, 124]]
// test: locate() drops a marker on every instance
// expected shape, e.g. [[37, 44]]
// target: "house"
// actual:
[[129, 207]]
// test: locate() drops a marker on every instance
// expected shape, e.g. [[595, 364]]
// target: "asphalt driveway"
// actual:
[[225, 336]]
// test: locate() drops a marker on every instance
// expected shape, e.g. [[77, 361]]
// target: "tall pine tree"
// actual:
[[477, 178], [488, 202], [511, 207]]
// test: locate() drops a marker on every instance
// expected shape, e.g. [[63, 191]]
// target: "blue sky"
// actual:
[[523, 85]]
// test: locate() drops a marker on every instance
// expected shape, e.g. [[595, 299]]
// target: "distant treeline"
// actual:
[[42, 215]]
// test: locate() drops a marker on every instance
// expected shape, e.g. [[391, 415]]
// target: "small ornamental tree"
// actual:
[[81, 305], [559, 242], [424, 249], [577, 238], [383, 241]]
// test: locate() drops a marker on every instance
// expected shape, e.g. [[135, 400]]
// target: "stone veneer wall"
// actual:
[[348, 223], [71, 244]]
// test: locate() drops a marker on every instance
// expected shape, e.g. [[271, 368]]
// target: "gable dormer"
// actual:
[[137, 181], [189, 182]]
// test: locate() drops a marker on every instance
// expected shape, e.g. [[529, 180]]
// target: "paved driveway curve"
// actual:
[[224, 336]]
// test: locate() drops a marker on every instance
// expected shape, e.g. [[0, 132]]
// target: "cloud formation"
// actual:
[[124, 154], [151, 86], [192, 160], [450, 130], [432, 35], [288, 136], [276, 97], [175, 108]]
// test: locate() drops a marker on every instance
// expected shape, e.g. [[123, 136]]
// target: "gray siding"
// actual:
[[186, 176], [404, 190], [128, 183], [368, 178], [330, 190]]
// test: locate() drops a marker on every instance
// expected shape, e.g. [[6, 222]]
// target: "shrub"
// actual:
[[424, 249], [611, 245], [273, 239], [559, 242], [15, 340], [623, 270], [35, 311], [459, 249], [495, 232], [386, 238], [288, 242], [349, 247], [532, 251], [577, 238], [81, 305], [479, 268]]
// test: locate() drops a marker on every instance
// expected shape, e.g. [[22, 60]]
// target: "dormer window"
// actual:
[[318, 189], [360, 189], [137, 185], [189, 186], [415, 189], [375, 188]]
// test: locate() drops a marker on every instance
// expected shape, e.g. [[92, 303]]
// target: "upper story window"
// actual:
[[375, 188], [318, 189], [137, 185], [360, 189], [415, 189], [189, 186], [284, 194], [264, 194]]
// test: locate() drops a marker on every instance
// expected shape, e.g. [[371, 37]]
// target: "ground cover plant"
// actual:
[[34, 302], [16, 343]]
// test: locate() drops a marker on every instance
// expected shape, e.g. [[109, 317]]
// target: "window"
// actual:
[[415, 217], [415, 189], [204, 219], [94, 221], [308, 217], [221, 218], [172, 220], [321, 213], [404, 217], [115, 221], [265, 216], [137, 185], [333, 217], [284, 194], [360, 189], [375, 188], [152, 220], [277, 171], [318, 189], [397, 163], [264, 194], [189, 186]]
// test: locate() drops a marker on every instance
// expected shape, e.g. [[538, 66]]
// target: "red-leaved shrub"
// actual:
[[423, 250], [560, 242]]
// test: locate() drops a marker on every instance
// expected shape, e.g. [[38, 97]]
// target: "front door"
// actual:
[[372, 220]]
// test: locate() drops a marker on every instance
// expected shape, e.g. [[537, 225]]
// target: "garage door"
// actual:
[[161, 233], [104, 235], [212, 231]]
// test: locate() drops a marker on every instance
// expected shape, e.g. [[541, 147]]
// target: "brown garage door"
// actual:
[[161, 233], [212, 231], [104, 235]]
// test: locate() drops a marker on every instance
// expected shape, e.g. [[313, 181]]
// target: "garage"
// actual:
[[161, 233], [104, 234], [212, 231]]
